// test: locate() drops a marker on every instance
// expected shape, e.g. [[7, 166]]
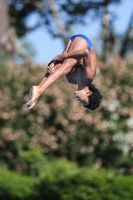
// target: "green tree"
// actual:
[[55, 16], [58, 18], [63, 128]]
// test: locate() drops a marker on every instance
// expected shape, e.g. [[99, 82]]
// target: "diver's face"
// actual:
[[82, 96]]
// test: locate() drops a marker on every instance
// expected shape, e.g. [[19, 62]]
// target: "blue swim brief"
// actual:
[[83, 36]]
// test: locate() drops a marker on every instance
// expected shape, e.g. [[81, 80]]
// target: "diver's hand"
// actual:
[[51, 68], [60, 57]]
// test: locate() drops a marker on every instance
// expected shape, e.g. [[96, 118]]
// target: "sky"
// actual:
[[47, 48]]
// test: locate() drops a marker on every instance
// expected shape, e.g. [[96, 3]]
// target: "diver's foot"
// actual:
[[33, 97], [82, 96]]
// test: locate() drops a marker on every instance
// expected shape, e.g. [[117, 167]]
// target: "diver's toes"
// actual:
[[28, 104]]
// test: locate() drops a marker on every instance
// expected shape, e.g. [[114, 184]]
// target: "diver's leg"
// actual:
[[34, 91], [62, 70]]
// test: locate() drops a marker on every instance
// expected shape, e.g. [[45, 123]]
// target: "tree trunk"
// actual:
[[125, 41], [58, 21], [6, 43]]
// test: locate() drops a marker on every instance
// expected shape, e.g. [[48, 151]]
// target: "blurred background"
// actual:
[[60, 150]]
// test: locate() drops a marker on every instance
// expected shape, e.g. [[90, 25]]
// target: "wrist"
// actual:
[[54, 62]]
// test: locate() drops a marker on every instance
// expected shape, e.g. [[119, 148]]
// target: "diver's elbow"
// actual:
[[85, 52]]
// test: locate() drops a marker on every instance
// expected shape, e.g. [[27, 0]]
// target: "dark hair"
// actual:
[[94, 99]]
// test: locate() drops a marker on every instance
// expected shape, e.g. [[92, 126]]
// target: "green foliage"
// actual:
[[19, 12], [87, 185], [14, 186], [64, 180], [31, 163]]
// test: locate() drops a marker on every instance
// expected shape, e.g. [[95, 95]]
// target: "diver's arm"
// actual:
[[73, 54], [76, 54]]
